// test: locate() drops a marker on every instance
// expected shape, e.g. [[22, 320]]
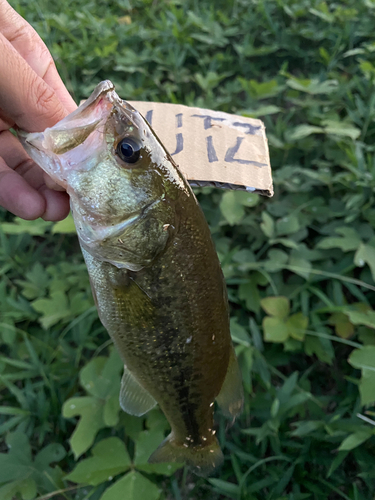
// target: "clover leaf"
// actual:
[[20, 473], [101, 380]]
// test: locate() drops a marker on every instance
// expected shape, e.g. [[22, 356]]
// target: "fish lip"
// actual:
[[102, 88], [21, 133], [118, 229], [107, 88], [135, 217]]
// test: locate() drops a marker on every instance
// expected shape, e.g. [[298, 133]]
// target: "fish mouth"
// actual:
[[61, 148], [83, 112]]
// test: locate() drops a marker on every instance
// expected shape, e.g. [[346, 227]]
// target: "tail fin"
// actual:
[[203, 459]]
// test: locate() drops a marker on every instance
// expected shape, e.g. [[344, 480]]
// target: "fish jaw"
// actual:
[[69, 144]]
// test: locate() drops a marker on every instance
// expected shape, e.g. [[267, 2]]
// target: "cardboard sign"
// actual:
[[213, 148]]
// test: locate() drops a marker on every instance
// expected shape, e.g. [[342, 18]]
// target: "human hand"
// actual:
[[32, 97]]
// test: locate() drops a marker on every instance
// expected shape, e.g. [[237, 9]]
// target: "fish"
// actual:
[[154, 272]]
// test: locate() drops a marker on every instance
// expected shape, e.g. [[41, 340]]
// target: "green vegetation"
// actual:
[[300, 267]]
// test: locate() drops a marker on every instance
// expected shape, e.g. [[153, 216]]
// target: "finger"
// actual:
[[16, 158], [57, 204], [22, 187], [30, 46], [17, 196], [5, 122], [26, 98]]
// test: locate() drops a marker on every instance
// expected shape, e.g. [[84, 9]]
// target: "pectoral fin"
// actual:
[[134, 399], [230, 398]]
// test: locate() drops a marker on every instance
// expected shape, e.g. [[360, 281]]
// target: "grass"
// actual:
[[300, 267]]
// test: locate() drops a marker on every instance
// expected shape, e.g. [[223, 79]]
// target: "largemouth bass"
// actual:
[[154, 272]]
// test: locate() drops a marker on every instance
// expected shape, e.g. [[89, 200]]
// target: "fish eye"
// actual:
[[128, 150]]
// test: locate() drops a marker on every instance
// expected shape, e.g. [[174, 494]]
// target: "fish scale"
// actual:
[[154, 272], [172, 324]]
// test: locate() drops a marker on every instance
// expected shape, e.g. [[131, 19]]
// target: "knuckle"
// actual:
[[20, 34], [45, 101], [43, 95], [24, 166], [32, 46], [42, 54]]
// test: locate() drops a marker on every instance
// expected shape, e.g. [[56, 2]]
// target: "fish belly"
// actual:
[[170, 324]]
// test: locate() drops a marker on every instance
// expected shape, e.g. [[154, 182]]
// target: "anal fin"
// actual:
[[230, 397], [134, 399]]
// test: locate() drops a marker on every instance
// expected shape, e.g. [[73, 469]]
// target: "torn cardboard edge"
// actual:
[[233, 187], [213, 148]]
